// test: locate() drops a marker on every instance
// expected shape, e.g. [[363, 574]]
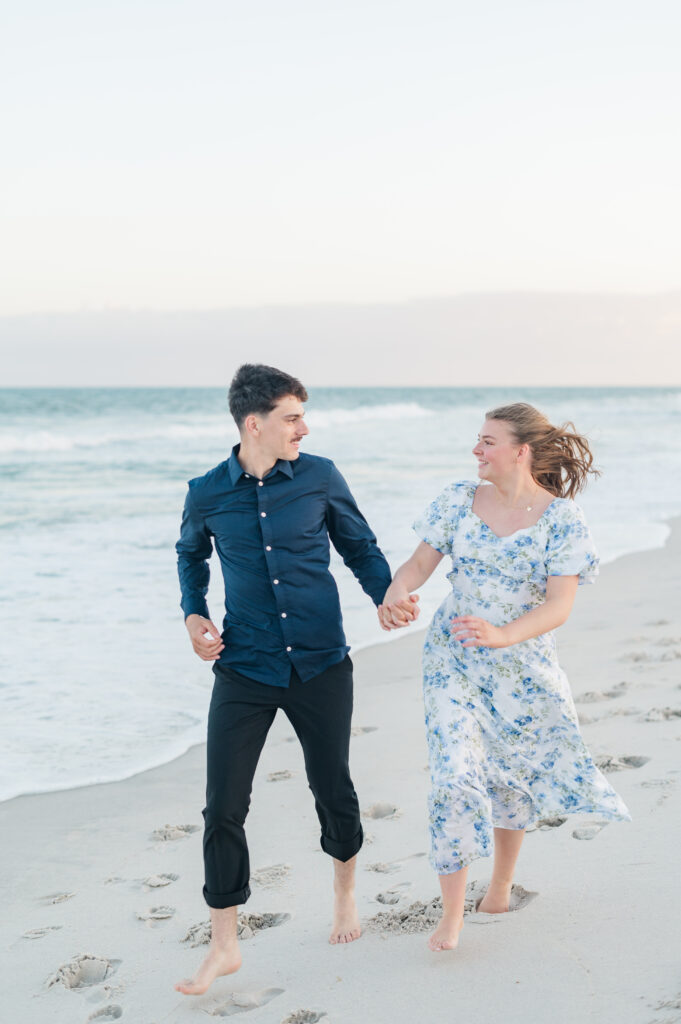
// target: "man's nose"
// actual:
[[304, 429]]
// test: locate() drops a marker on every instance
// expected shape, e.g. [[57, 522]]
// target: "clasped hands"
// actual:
[[398, 611]]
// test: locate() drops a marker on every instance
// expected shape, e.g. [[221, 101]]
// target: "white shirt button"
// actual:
[[275, 581], [260, 483], [289, 648], [268, 548], [283, 615], [264, 515], [247, 476]]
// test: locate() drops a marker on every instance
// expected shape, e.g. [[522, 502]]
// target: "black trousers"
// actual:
[[241, 713]]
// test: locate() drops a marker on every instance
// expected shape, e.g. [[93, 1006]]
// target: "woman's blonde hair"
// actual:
[[561, 458]]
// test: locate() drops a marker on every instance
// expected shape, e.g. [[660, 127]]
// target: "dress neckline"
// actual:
[[505, 536]]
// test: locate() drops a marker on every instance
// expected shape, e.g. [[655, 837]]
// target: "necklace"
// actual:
[[522, 508]]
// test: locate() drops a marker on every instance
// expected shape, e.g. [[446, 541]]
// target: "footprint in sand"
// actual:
[[593, 696], [610, 763], [248, 925], [106, 1013], [382, 810], [475, 892], [242, 1002], [661, 714], [57, 897], [280, 776], [588, 831], [361, 730], [40, 933], [672, 654], [171, 832], [544, 824], [158, 881], [154, 914], [271, 876], [304, 1017], [423, 917], [611, 713], [390, 867], [392, 896], [84, 970], [664, 787]]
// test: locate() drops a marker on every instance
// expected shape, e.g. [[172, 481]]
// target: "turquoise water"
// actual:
[[97, 679]]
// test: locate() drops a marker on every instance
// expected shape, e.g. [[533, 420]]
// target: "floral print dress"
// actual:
[[504, 742]]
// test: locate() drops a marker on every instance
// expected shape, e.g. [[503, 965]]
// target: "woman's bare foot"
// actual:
[[496, 900], [446, 935], [346, 926], [218, 963]]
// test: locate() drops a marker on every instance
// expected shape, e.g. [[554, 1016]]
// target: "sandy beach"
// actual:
[[101, 886]]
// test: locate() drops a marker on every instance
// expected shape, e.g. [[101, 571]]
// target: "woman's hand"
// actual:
[[399, 608], [475, 632]]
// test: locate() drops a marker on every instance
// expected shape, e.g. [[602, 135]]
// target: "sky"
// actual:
[[217, 154]]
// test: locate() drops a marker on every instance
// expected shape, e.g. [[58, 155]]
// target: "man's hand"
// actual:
[[399, 613], [205, 638]]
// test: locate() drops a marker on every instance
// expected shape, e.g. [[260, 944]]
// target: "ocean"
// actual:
[[97, 677]]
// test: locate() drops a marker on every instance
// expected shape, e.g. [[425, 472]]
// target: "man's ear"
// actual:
[[251, 425]]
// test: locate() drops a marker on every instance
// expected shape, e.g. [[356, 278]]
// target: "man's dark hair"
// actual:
[[256, 388]]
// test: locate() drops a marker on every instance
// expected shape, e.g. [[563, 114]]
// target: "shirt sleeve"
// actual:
[[353, 539], [436, 525], [570, 550], [194, 548]]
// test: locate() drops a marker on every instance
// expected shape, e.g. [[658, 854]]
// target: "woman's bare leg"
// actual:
[[507, 843], [446, 935]]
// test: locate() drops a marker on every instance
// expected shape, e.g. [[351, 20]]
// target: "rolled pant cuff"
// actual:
[[343, 851], [218, 901]]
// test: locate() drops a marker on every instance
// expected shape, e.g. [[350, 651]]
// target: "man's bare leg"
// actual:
[[446, 935], [346, 926], [507, 843], [224, 956]]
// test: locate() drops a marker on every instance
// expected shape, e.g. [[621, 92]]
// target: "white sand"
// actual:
[[599, 942]]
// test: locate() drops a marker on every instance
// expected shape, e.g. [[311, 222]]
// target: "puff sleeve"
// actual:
[[570, 550], [437, 525]]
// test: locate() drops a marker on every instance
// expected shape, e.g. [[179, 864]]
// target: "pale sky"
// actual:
[[211, 154]]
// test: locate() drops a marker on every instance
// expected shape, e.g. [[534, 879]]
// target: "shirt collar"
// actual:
[[236, 470]]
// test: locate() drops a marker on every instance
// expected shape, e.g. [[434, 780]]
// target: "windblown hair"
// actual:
[[561, 458], [257, 388]]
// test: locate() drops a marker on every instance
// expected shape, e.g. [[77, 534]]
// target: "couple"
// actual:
[[504, 743]]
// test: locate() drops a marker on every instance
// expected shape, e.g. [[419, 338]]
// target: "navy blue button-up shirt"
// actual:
[[272, 538]]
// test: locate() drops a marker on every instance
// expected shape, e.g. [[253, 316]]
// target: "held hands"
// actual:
[[475, 632], [205, 638], [396, 612]]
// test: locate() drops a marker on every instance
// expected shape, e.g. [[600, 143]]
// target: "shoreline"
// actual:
[[672, 524], [114, 870]]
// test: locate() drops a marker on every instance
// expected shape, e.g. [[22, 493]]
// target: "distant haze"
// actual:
[[214, 154], [471, 340]]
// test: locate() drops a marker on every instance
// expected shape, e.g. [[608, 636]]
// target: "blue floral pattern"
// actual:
[[504, 742]]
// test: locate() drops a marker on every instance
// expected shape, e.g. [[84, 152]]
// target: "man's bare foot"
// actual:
[[218, 963], [346, 926], [496, 900], [446, 935]]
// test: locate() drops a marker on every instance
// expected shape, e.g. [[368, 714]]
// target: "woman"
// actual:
[[504, 741]]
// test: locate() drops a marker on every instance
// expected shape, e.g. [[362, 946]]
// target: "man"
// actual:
[[270, 512]]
